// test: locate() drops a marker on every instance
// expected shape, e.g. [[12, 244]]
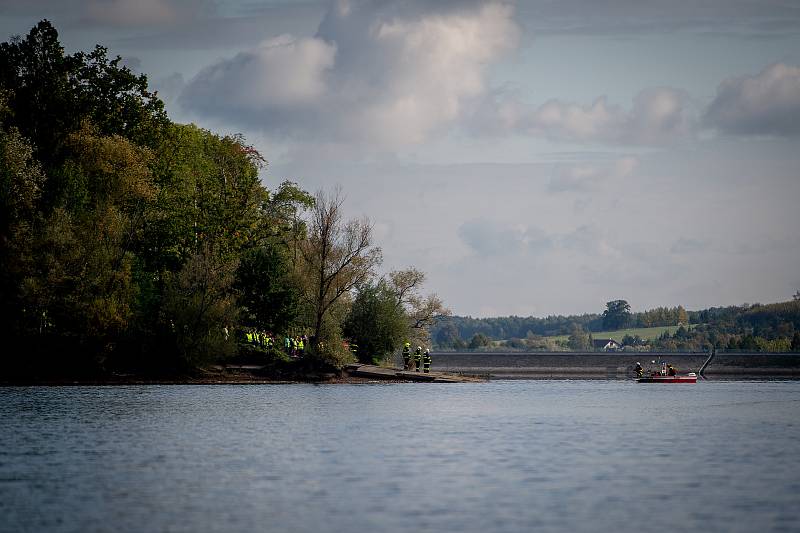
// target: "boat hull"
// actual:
[[668, 379]]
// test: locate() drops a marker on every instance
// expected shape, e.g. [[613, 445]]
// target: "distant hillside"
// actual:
[[647, 334], [757, 327]]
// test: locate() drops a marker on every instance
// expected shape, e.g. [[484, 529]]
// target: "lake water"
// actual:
[[497, 456]]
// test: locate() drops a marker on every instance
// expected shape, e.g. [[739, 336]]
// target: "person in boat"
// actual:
[[638, 369], [671, 370]]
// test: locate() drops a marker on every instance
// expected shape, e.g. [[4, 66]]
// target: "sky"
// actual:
[[532, 157]]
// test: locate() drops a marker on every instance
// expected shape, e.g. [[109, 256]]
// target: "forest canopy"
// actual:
[[128, 241]]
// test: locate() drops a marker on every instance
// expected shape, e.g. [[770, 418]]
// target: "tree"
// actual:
[[266, 292], [633, 340], [336, 257], [283, 212], [199, 309], [121, 231], [617, 314], [209, 192], [51, 93], [447, 335], [376, 324], [795, 346], [683, 317], [422, 311], [578, 338], [21, 182], [479, 340], [21, 179], [79, 289]]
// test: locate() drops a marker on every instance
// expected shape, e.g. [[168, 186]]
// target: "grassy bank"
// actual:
[[644, 333]]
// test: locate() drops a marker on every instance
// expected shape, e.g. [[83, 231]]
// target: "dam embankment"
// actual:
[[616, 365]]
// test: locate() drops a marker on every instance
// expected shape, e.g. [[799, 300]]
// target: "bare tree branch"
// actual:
[[336, 256]]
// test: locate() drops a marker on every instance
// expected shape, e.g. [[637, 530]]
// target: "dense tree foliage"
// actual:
[[376, 325], [131, 242], [617, 315], [579, 339]]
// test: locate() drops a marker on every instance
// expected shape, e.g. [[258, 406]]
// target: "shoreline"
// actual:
[[448, 367], [360, 380]]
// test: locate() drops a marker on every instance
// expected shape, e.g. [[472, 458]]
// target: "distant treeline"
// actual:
[[757, 327], [521, 327]]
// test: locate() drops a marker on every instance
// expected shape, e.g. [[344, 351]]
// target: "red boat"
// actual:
[[664, 376], [691, 377]]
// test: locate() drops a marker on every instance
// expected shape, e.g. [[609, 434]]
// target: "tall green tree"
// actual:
[[578, 338], [80, 285], [479, 340], [376, 324], [200, 309], [267, 293], [51, 93], [617, 315], [21, 182]]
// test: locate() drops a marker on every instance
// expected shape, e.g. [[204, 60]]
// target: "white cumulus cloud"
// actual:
[[765, 104], [279, 75], [659, 115], [381, 72]]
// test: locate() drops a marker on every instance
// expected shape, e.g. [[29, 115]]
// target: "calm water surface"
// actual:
[[497, 456]]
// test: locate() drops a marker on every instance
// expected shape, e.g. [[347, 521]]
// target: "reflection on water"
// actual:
[[497, 456]]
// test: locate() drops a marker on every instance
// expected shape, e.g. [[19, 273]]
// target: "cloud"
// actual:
[[489, 238], [688, 245], [765, 104], [123, 13], [241, 26], [389, 73], [281, 74], [659, 115], [169, 87], [755, 17], [588, 240], [587, 178]]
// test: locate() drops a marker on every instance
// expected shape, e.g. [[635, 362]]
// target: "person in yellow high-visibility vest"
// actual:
[[418, 359]]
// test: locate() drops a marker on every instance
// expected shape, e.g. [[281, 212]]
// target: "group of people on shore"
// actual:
[[294, 346], [418, 360]]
